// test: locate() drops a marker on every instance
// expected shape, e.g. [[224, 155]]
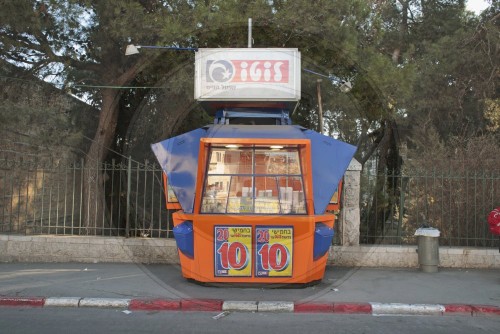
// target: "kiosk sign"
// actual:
[[233, 256], [273, 251], [247, 75]]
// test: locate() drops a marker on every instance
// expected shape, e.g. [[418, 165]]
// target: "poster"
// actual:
[[233, 251], [273, 251]]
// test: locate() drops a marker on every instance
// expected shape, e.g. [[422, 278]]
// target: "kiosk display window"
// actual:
[[254, 180]]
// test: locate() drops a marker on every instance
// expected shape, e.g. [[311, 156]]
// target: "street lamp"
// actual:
[[134, 49], [345, 85]]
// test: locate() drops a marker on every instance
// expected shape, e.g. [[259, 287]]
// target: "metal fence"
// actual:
[[393, 206], [48, 198]]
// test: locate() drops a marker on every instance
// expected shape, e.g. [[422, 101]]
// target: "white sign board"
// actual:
[[250, 74]]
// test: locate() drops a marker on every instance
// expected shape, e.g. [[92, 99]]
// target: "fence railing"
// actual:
[[393, 206], [48, 198]]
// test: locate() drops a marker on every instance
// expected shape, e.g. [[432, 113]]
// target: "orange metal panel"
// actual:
[[201, 267], [305, 153], [200, 178], [256, 141]]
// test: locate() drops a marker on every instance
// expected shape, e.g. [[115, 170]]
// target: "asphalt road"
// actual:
[[69, 320]]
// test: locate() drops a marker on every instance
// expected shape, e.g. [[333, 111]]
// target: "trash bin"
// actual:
[[428, 249]]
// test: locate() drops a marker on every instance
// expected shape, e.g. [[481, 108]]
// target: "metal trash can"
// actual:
[[428, 249]]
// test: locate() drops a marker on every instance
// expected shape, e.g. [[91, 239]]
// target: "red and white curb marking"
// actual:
[[216, 305]]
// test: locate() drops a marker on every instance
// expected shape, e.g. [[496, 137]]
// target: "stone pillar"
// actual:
[[349, 212]]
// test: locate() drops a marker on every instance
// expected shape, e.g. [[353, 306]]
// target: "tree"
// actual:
[[453, 55], [83, 42]]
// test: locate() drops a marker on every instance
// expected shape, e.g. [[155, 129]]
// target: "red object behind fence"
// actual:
[[494, 221]]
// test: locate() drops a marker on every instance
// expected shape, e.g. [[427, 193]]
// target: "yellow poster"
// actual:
[[274, 251], [233, 255]]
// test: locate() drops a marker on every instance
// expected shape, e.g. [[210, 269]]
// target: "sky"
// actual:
[[477, 6]]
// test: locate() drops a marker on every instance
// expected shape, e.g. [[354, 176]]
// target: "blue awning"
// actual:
[[330, 159], [178, 156]]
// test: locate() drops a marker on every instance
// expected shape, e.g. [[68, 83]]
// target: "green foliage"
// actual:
[[411, 61]]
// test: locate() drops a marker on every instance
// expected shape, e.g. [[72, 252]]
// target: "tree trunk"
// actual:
[[94, 212], [386, 194]]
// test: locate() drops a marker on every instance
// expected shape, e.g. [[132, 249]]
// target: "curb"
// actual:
[[217, 305]]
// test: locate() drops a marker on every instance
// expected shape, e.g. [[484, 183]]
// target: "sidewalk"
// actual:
[[161, 287]]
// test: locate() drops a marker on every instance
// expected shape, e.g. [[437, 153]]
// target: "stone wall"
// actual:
[[407, 257], [84, 249], [39, 201], [40, 123], [43, 132], [164, 251]]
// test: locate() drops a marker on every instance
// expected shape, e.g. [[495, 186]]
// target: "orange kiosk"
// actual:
[[252, 190]]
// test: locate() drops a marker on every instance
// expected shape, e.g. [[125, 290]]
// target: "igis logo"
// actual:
[[240, 71]]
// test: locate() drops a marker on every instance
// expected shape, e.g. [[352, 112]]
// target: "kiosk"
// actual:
[[252, 190]]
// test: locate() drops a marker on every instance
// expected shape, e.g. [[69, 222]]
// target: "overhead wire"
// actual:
[[88, 86]]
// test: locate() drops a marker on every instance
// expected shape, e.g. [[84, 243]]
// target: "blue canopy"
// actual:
[[178, 157]]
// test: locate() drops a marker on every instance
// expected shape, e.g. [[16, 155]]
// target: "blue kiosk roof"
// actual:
[[178, 157]]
